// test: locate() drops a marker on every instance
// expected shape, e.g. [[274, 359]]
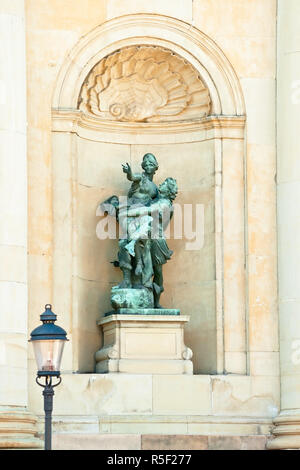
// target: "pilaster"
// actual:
[[16, 424], [287, 428]]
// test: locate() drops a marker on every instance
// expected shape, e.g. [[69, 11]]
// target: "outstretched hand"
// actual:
[[126, 168]]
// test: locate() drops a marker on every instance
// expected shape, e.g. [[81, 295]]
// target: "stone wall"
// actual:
[[230, 287]]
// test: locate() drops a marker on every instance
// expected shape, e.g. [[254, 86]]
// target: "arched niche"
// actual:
[[204, 151]]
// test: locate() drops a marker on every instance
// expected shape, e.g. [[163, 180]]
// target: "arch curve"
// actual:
[[188, 42]]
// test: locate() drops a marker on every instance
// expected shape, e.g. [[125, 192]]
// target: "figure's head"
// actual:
[[169, 188], [149, 163], [110, 205]]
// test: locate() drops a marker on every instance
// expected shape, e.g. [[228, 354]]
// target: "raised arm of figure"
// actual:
[[131, 176]]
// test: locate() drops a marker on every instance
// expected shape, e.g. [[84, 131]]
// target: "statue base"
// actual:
[[144, 343], [121, 297], [143, 311]]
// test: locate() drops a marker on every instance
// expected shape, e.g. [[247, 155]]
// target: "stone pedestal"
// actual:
[[144, 343]]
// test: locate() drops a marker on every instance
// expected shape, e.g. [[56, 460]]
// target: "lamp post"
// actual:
[[48, 342]]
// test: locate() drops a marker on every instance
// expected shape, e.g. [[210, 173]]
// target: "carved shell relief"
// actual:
[[144, 84]]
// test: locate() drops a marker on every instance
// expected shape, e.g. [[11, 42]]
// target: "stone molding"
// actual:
[[90, 127], [105, 425], [286, 431], [18, 430]]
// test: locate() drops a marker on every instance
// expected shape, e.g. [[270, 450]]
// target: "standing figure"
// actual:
[[160, 252], [134, 251]]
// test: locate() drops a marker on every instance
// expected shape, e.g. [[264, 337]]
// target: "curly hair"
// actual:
[[172, 187]]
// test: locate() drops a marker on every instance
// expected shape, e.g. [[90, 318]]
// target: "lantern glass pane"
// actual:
[[48, 354]]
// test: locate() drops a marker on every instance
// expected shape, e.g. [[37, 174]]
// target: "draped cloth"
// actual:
[[160, 252]]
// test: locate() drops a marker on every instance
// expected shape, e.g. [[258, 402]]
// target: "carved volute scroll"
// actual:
[[144, 84]]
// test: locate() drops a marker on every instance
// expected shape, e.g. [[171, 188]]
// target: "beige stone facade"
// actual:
[[217, 102]]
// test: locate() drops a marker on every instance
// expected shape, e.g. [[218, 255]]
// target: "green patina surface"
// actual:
[[144, 311], [143, 251]]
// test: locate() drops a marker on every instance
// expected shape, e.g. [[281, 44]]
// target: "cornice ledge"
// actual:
[[68, 120]]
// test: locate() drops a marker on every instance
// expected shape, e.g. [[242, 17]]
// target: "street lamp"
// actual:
[[48, 342]]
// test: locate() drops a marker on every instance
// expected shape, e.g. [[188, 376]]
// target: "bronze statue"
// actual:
[[143, 249]]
